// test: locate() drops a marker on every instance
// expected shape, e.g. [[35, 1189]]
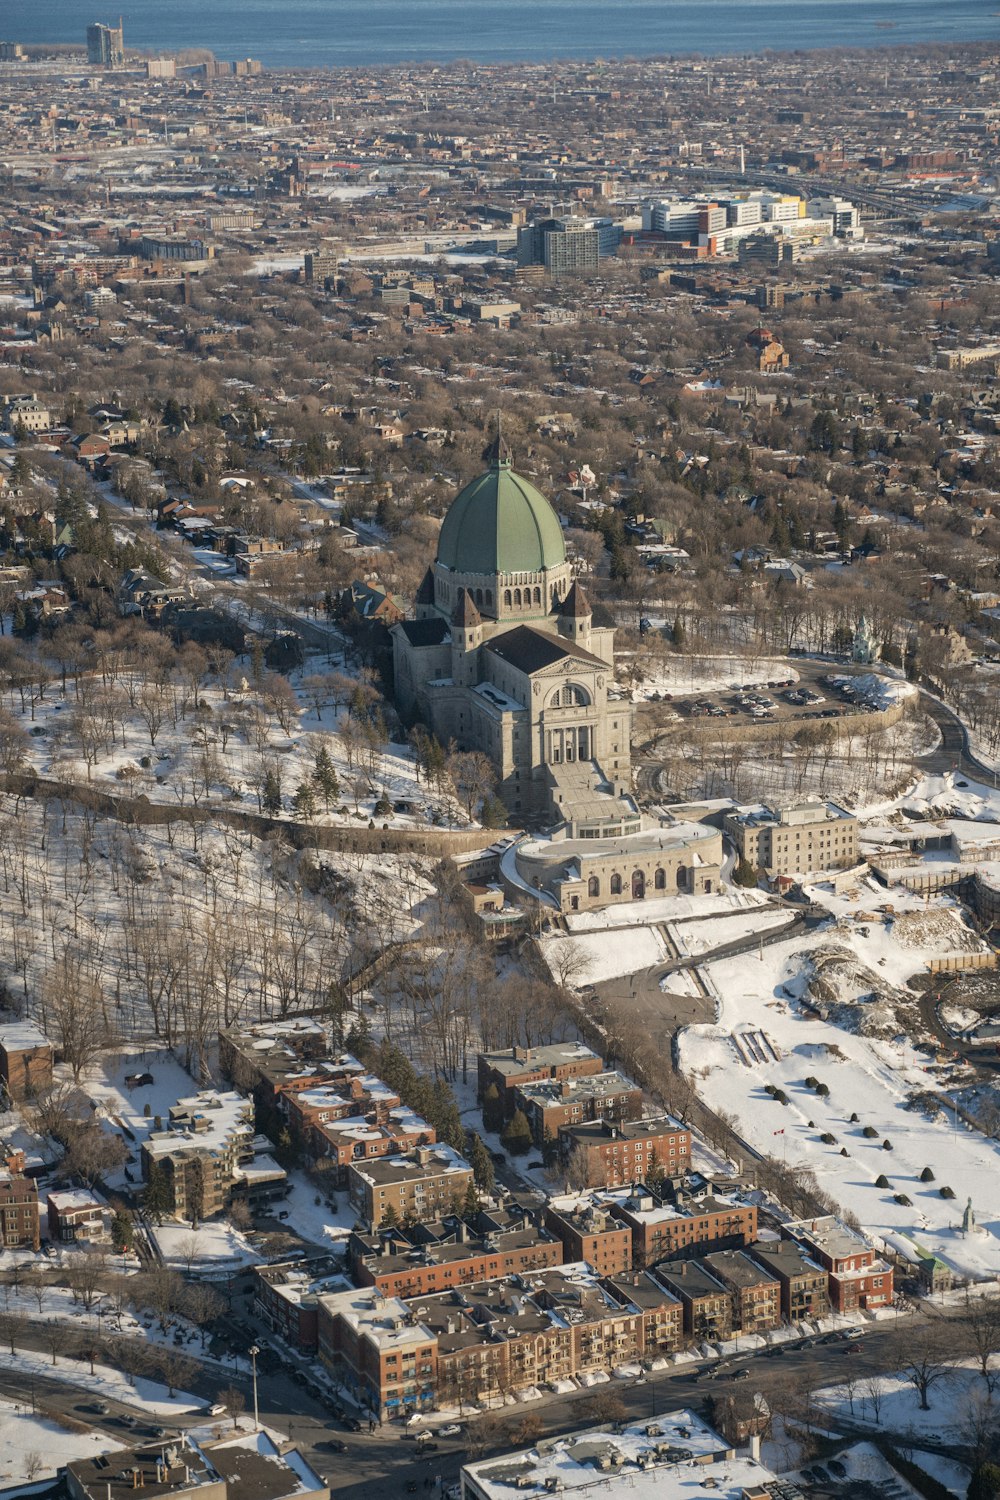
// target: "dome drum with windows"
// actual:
[[502, 541]]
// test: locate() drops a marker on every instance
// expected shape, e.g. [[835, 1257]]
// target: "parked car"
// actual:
[[452, 1430]]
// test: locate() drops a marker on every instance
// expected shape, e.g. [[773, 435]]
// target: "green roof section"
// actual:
[[500, 523]]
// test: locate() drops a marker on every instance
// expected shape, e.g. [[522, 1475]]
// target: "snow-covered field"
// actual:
[[214, 1246], [35, 1443], [605, 955], [952, 1401], [691, 938], [874, 1079]]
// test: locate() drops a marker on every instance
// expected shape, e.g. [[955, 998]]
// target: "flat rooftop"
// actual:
[[515, 1060], [674, 1456]]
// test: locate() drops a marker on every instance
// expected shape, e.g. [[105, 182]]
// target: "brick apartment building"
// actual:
[[519, 1066], [397, 1264], [308, 1109], [26, 1057], [708, 1307], [755, 1293], [606, 1154], [804, 1283], [358, 1139], [287, 1293], [588, 1232], [859, 1280], [19, 1224], [673, 1224], [420, 1185], [78, 1216], [494, 1337], [282, 1057], [549, 1105]]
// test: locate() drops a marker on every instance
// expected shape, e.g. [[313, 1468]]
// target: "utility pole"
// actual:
[[254, 1351]]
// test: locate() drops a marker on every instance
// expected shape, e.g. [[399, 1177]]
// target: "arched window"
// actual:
[[682, 878], [638, 885], [593, 886], [489, 598], [660, 880], [616, 885], [506, 597], [574, 695], [556, 700], [517, 597], [538, 596], [479, 596]]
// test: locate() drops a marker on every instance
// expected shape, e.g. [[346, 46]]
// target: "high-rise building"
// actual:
[[561, 245], [106, 45]]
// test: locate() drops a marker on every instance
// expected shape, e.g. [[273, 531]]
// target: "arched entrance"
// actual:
[[638, 886]]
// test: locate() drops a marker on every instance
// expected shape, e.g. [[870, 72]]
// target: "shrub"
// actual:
[[946, 1192], [828, 1139], [882, 1181], [927, 1175], [886, 1145], [770, 1088], [902, 1200], [811, 1124], [854, 1118], [823, 1090], [781, 1096], [844, 1151], [812, 1083], [869, 1132]]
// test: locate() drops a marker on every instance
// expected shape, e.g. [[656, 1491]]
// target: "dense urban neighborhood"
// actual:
[[499, 754]]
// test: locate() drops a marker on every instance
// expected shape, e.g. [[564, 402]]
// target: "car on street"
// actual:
[[452, 1430]]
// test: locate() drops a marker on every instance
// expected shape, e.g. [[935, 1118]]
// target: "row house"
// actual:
[[708, 1307], [517, 1067], [611, 1154], [805, 1285], [755, 1294], [672, 1223], [859, 1279], [493, 1338], [551, 1104]]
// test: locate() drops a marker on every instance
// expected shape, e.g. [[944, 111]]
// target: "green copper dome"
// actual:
[[499, 523]]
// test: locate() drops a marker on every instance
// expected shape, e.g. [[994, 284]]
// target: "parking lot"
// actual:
[[815, 693]]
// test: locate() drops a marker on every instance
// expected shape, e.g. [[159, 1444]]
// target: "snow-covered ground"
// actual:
[[665, 909], [215, 1245], [34, 1443], [765, 1036], [952, 1401], [604, 955], [316, 1221], [709, 674], [141, 1394], [690, 938]]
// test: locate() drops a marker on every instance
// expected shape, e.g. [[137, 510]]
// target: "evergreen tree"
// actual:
[[390, 1217], [325, 778], [304, 801], [358, 1040], [550, 1148], [677, 632], [516, 1134], [492, 1110], [122, 1232], [482, 1164], [271, 794], [156, 1198], [745, 874], [655, 1172], [470, 1204]]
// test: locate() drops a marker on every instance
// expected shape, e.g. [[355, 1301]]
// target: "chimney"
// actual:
[[755, 1447]]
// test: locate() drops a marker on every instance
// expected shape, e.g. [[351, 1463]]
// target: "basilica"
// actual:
[[503, 656]]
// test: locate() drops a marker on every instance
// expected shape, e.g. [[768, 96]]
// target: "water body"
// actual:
[[339, 33]]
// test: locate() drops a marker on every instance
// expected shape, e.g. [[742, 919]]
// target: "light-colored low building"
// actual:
[[584, 873], [795, 839], [664, 1457]]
